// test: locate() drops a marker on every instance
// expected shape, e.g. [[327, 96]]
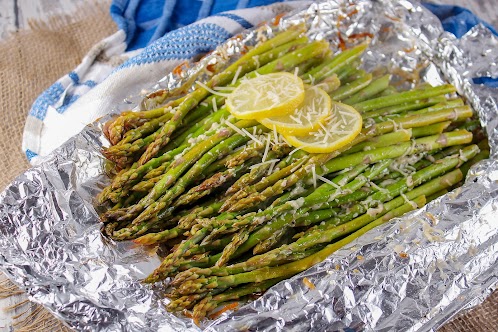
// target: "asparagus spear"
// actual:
[[136, 173], [210, 303], [409, 106], [115, 128], [287, 270], [326, 191], [278, 188], [252, 151], [188, 221], [236, 202], [287, 61], [398, 188], [154, 238], [254, 175], [398, 136], [336, 164], [403, 97], [274, 240], [414, 180], [163, 197], [376, 86], [483, 154], [215, 237], [429, 188], [147, 128], [246, 64], [335, 64], [166, 267], [433, 129], [207, 186], [177, 168], [349, 89]]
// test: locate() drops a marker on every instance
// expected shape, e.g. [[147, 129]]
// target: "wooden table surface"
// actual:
[[15, 14]]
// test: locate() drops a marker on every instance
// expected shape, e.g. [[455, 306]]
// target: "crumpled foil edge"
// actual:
[[412, 274]]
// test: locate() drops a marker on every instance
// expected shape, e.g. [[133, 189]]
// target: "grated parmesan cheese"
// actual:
[[375, 211], [297, 203], [214, 92], [251, 136], [237, 130], [412, 203], [313, 170], [324, 179], [237, 73], [264, 163]]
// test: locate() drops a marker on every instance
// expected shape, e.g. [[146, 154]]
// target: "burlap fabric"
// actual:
[[31, 61], [34, 59]]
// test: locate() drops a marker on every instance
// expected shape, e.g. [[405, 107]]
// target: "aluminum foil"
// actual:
[[412, 274]]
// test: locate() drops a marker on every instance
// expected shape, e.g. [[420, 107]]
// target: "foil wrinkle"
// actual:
[[412, 274]]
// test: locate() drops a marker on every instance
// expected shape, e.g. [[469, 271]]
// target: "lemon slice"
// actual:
[[341, 127], [305, 118], [266, 95]]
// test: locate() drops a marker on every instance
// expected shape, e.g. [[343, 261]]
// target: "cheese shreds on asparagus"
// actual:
[[214, 92]]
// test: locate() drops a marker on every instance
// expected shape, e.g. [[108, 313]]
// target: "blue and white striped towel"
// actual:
[[120, 65]]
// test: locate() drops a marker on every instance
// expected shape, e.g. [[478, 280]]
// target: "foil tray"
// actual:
[[411, 274]]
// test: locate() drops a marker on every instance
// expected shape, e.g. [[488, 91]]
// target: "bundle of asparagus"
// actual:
[[239, 208]]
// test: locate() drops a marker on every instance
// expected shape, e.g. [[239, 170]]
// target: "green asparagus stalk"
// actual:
[[275, 240], [188, 221], [483, 154], [398, 136], [153, 208], [236, 201], [375, 87], [210, 184], [425, 160], [319, 198], [251, 151], [254, 175], [388, 91], [145, 129], [372, 156], [166, 267], [350, 72], [403, 97], [403, 186], [177, 168], [326, 191], [403, 107], [349, 89], [287, 270], [325, 236], [433, 129], [354, 75], [210, 303], [278, 187], [136, 173], [116, 128], [336, 63], [429, 188], [287, 61], [185, 302], [244, 65], [300, 189], [418, 145], [147, 184], [155, 238]]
